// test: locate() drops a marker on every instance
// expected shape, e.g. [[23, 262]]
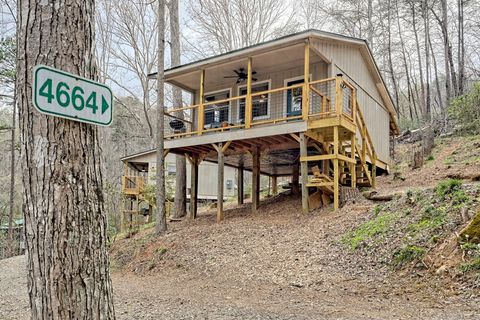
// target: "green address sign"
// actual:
[[65, 95]]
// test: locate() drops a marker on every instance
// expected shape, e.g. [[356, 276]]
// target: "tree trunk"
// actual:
[[146, 105], [390, 60], [471, 233], [428, 112], [370, 23], [411, 99], [461, 49], [12, 179], [65, 224], [444, 26], [161, 225], [180, 163], [437, 81], [419, 57]]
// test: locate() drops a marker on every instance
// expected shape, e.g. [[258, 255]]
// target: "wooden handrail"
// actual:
[[369, 139], [363, 161], [317, 92], [259, 93], [322, 80], [202, 105], [348, 84], [254, 94], [137, 181], [183, 108]]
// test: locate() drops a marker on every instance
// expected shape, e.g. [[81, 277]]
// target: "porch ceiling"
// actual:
[[278, 59]]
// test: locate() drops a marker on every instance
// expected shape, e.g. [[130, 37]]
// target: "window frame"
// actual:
[[285, 83], [229, 90], [269, 87]]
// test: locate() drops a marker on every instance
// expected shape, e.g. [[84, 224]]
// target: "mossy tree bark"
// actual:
[[471, 233], [65, 223]]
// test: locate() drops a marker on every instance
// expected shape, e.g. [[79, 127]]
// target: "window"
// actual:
[[216, 114], [171, 169], [260, 104]]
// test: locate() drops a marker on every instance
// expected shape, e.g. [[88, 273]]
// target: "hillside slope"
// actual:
[[280, 264], [299, 266]]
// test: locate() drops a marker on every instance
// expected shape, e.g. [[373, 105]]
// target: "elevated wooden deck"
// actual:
[[330, 133]]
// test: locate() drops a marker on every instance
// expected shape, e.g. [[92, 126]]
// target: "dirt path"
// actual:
[[268, 266]]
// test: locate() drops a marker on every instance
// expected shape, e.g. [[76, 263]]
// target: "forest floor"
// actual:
[[280, 264]]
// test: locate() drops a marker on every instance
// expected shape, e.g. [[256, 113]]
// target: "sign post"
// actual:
[[61, 94]]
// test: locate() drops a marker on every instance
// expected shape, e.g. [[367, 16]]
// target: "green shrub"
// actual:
[[148, 193], [448, 187], [465, 110], [406, 255], [368, 230], [459, 197], [471, 250], [431, 219], [473, 265]]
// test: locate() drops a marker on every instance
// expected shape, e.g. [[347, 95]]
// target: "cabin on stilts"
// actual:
[[139, 178], [311, 105]]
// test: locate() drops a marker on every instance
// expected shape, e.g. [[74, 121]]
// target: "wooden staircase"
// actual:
[[349, 158]]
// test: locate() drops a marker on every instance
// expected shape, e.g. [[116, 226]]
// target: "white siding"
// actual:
[[207, 180], [349, 61], [207, 176]]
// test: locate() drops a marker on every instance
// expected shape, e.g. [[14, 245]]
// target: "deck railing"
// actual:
[[316, 99], [132, 185]]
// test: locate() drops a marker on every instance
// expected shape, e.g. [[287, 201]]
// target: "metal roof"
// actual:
[[138, 154]]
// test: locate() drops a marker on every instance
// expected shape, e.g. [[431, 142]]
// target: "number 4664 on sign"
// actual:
[[66, 95]]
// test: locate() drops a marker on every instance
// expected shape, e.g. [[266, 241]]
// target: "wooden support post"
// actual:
[[324, 106], [338, 95], [353, 166], [240, 193], [354, 105], [304, 172], [248, 99], [374, 171], [201, 106], [295, 186], [274, 186], [194, 161], [336, 177], [364, 143], [255, 179], [220, 165], [306, 87]]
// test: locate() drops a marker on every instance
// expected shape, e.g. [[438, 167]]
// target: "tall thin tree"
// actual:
[[161, 225], [426, 27], [180, 163], [461, 47], [419, 57]]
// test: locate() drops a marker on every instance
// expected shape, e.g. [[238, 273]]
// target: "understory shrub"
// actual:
[[465, 111]]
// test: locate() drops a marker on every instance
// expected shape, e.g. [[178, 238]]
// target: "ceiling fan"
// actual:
[[241, 75]]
